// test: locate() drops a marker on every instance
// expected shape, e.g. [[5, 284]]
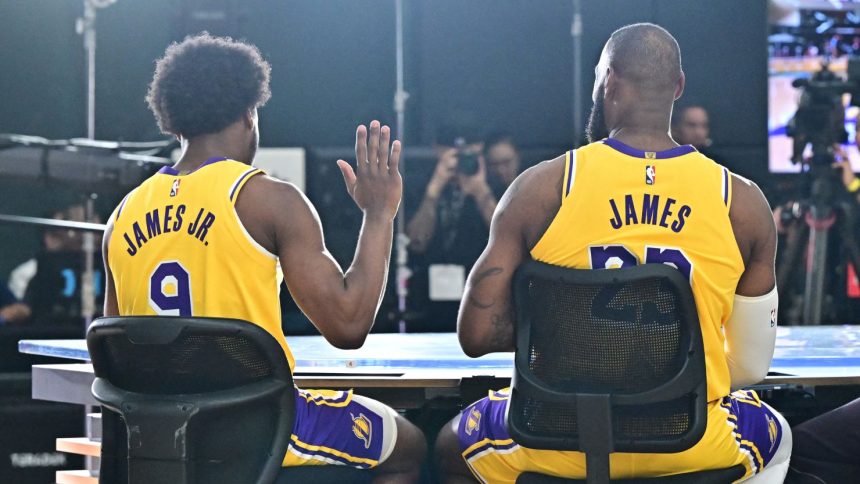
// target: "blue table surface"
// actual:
[[796, 347]]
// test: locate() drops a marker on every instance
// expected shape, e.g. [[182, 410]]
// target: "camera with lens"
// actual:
[[467, 162], [467, 157], [820, 117]]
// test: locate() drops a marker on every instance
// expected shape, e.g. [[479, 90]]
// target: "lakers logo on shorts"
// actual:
[[473, 421], [362, 428], [771, 431]]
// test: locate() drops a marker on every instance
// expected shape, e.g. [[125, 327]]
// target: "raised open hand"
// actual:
[[375, 184]]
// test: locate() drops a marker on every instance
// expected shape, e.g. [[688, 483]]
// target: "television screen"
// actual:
[[803, 35]]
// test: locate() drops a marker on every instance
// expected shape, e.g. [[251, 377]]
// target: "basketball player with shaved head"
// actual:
[[634, 196], [205, 238]]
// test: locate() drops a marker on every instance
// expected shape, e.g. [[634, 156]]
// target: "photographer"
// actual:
[[849, 179], [50, 283], [503, 160], [451, 227], [456, 193]]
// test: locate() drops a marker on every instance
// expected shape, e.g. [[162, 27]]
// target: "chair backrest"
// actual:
[[607, 360], [200, 399]]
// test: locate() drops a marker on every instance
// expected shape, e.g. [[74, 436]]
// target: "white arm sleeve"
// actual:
[[750, 338]]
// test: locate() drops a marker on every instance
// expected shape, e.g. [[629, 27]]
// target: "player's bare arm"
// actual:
[[111, 308], [342, 305], [750, 330], [486, 320], [755, 232]]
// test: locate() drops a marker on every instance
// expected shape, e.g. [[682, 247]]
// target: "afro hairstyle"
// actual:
[[205, 83]]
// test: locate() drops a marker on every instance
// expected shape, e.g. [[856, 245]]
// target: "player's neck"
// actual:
[[647, 138], [641, 122], [196, 151]]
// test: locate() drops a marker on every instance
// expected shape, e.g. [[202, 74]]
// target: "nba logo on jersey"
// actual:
[[174, 190], [650, 174]]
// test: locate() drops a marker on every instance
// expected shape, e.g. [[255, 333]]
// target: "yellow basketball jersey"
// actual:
[[622, 206], [178, 249]]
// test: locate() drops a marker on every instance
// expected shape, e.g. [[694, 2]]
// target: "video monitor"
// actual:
[[803, 35]]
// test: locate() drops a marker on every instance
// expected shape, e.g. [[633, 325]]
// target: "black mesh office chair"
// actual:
[[608, 361], [194, 400]]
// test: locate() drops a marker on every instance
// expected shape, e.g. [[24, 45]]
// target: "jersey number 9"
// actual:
[[170, 290]]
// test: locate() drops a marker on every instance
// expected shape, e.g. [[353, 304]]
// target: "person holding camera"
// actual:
[[846, 173], [450, 228], [842, 296], [460, 177], [503, 159]]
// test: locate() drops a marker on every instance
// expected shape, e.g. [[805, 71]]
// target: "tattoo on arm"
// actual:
[[478, 279], [503, 329], [502, 321], [474, 301]]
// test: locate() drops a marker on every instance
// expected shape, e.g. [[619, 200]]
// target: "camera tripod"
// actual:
[[828, 206]]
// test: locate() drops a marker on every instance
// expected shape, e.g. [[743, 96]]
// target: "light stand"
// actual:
[[576, 34], [86, 26]]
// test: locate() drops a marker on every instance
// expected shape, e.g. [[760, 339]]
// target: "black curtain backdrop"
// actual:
[[505, 63]]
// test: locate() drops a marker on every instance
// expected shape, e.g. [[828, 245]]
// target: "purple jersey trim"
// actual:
[[121, 206], [570, 169], [488, 445], [252, 171], [169, 170], [660, 155], [726, 186]]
